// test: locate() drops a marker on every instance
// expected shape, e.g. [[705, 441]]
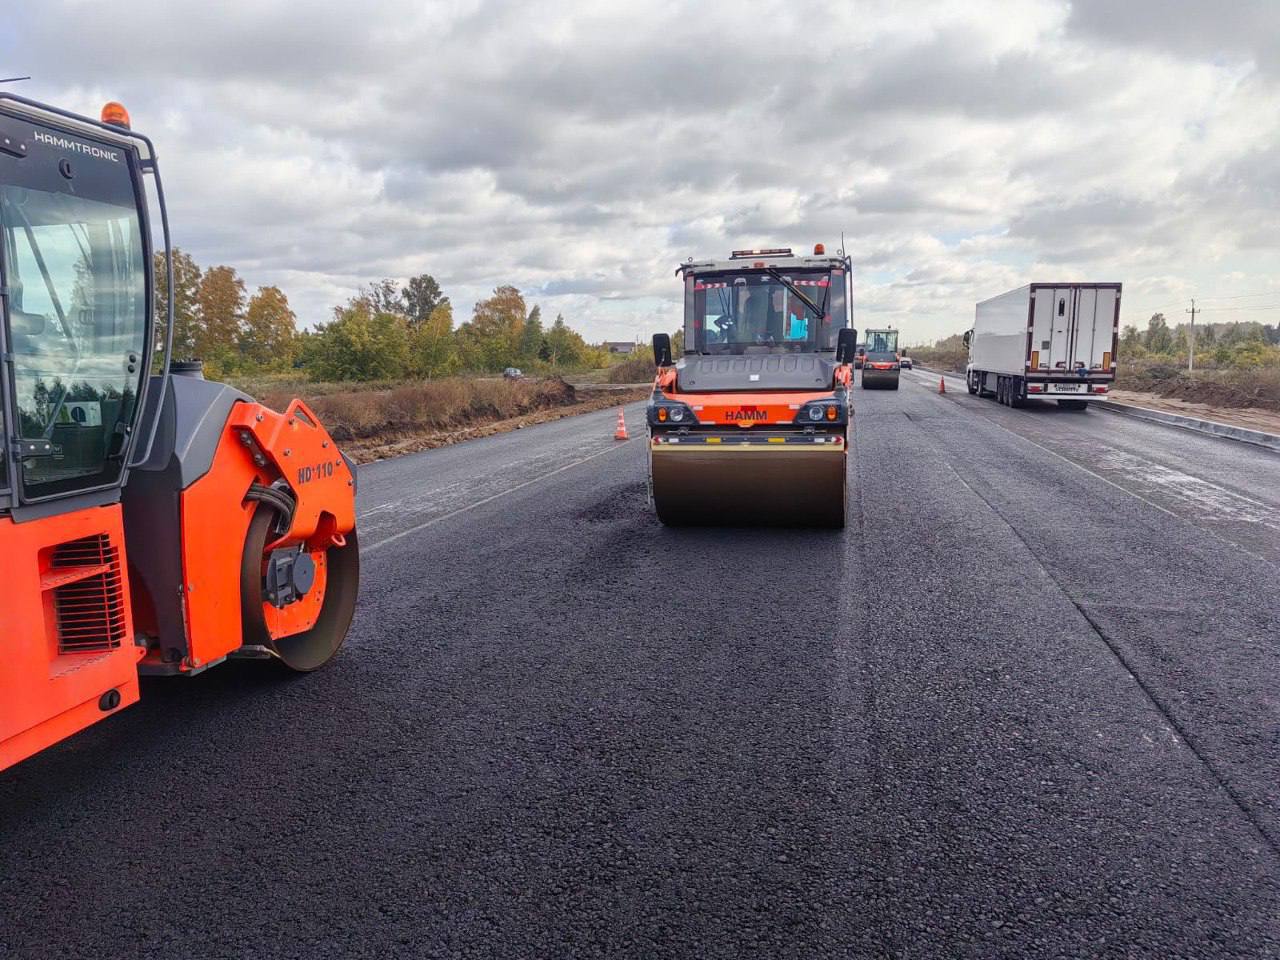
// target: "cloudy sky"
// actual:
[[581, 150]]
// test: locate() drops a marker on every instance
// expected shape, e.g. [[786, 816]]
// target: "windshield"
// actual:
[[881, 342], [756, 312], [76, 272]]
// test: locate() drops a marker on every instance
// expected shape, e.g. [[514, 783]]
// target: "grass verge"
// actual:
[[375, 421]]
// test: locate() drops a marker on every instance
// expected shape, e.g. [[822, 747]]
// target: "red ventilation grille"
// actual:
[[88, 595]]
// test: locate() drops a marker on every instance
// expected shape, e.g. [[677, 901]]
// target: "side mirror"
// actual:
[[846, 343], [968, 336], [662, 349]]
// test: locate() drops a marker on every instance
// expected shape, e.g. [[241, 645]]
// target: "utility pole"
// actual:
[[1191, 341]]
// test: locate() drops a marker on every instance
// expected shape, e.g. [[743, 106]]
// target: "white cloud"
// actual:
[[581, 150]]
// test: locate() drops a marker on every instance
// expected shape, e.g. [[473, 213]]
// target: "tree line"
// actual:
[[1218, 344], [1247, 344], [387, 331], [216, 320]]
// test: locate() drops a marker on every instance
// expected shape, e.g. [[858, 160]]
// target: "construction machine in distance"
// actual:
[[150, 522], [881, 367], [751, 426]]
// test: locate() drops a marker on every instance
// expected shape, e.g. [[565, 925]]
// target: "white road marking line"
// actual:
[[364, 551], [1210, 500], [1123, 489]]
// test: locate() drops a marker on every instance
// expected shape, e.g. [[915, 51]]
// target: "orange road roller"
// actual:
[[151, 522], [751, 425]]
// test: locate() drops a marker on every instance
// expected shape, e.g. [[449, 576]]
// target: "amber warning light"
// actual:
[[115, 114]]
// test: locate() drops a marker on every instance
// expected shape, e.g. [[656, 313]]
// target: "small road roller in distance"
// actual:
[[882, 365]]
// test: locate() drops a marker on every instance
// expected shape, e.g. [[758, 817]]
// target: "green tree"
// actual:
[[269, 333], [434, 346], [566, 347], [1158, 339], [186, 306], [221, 299], [531, 336], [383, 296], [420, 298], [491, 340], [360, 343]]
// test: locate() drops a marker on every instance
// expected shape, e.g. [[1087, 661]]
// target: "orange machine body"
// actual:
[[66, 629], [746, 409], [264, 447], [75, 628]]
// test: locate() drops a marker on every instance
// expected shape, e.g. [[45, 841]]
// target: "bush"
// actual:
[[423, 406], [637, 368]]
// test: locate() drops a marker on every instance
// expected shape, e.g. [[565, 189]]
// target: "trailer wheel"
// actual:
[[1018, 396], [312, 648]]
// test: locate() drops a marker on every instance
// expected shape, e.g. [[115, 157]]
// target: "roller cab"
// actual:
[[751, 425]]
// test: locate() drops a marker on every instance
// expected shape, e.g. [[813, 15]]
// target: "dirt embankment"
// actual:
[[1237, 388], [1251, 418], [379, 423]]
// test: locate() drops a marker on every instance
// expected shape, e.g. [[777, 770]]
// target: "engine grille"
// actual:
[[89, 607]]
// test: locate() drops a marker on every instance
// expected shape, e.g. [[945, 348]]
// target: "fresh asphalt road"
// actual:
[[1027, 704]]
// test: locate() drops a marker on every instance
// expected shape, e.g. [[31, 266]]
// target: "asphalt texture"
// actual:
[[1025, 705]]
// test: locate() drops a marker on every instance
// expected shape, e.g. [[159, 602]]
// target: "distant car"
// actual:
[[512, 373], [905, 362]]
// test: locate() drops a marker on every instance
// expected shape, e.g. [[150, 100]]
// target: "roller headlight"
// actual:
[[669, 413], [821, 411]]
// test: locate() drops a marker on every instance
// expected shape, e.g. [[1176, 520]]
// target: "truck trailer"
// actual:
[[1055, 341]]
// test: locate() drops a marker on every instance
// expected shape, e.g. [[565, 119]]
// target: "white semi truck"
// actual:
[[1052, 340]]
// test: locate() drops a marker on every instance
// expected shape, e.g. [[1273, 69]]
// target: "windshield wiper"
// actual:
[[773, 272]]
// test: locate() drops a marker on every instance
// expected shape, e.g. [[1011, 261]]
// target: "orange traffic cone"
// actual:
[[942, 384], [621, 432]]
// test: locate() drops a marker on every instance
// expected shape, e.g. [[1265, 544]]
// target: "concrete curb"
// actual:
[[1211, 427]]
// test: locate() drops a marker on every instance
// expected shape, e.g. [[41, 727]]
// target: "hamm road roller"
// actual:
[[150, 523], [882, 365], [751, 426]]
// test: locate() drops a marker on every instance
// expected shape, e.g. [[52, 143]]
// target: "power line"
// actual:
[[1269, 306], [1245, 296]]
